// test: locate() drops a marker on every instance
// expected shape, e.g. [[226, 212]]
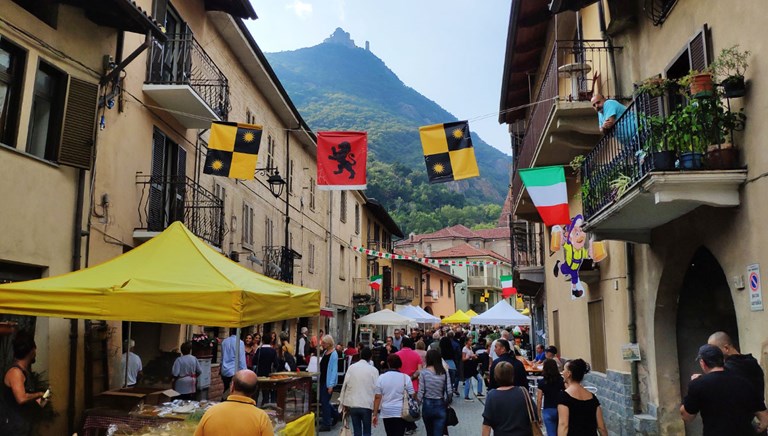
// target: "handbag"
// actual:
[[451, 419], [535, 428], [410, 411], [345, 430]]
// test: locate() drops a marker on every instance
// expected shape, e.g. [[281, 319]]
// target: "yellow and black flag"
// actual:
[[233, 149], [448, 152]]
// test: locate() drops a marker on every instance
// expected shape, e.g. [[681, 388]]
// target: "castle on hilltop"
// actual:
[[340, 37]]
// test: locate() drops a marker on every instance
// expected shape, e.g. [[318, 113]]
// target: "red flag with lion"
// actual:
[[341, 160]]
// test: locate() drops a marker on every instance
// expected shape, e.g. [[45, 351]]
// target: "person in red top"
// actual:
[[411, 366]]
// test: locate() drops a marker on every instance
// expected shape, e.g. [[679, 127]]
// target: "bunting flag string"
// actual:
[[385, 255]]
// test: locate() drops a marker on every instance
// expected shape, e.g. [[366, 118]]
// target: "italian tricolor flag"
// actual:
[[376, 282], [506, 286], [546, 186]]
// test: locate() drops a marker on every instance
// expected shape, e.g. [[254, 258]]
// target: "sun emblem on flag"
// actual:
[[217, 165], [457, 133], [248, 136], [438, 168]]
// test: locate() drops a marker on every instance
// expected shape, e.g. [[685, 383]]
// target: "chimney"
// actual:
[[367, 46]]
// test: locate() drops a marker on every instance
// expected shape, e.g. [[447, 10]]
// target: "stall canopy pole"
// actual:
[[127, 350], [237, 350], [317, 394]]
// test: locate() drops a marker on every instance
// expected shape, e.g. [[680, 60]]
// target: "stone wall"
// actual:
[[614, 391]]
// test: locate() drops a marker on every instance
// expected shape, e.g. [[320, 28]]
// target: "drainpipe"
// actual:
[[77, 245], [632, 326], [609, 41]]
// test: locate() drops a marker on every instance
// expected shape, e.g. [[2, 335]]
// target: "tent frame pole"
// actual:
[[127, 355]]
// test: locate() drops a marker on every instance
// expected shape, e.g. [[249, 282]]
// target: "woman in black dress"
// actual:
[[579, 412], [549, 389]]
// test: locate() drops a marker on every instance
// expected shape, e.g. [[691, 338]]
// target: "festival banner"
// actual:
[[448, 152], [233, 149], [341, 160]]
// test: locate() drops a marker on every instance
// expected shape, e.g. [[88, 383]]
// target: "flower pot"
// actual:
[[734, 87], [663, 160], [691, 160], [723, 157], [701, 85]]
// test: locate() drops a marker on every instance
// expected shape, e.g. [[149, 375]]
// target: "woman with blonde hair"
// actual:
[[329, 376]]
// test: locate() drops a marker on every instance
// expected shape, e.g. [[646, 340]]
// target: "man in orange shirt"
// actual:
[[237, 414]]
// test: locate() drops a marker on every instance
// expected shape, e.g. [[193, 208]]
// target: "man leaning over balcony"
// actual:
[[608, 113]]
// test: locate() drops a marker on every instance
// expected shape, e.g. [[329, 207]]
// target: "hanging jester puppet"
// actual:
[[574, 245]]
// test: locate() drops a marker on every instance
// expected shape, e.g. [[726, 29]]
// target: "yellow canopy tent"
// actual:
[[471, 313], [173, 278], [457, 318]]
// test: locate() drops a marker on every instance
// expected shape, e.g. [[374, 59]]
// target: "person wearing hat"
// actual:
[[551, 353], [726, 401], [134, 365]]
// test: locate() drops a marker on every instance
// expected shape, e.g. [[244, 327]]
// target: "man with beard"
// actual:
[[17, 401]]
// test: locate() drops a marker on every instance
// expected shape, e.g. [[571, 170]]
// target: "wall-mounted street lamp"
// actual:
[[275, 181]]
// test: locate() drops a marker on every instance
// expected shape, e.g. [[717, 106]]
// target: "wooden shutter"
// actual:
[[157, 186], [597, 335], [698, 50], [76, 149], [179, 183]]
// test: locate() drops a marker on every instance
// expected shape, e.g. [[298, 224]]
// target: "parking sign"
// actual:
[[755, 292]]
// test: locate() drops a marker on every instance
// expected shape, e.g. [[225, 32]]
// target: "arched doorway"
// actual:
[[704, 306], [428, 309]]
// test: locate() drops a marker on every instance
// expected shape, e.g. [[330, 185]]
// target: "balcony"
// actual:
[[278, 262], [529, 256], [375, 244], [483, 282], [404, 295], [625, 191], [361, 290], [182, 78], [563, 123], [165, 199], [431, 296]]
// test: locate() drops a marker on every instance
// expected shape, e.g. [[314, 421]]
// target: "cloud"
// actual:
[[300, 8], [342, 10]]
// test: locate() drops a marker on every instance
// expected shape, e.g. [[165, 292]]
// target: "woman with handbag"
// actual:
[[434, 394], [507, 408], [393, 388]]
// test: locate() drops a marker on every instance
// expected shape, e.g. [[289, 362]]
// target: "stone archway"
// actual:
[[693, 301], [428, 309]]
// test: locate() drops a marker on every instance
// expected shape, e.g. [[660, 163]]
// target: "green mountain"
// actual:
[[338, 86]]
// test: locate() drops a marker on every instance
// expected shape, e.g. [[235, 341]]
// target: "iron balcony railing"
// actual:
[[528, 244], [165, 199], [374, 244], [362, 291], [182, 61], [278, 262], [404, 295], [570, 75]]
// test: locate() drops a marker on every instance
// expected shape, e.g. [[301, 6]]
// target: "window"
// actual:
[[270, 152], [312, 193], [429, 284], [47, 110], [290, 178], [269, 230], [247, 219], [219, 191], [311, 258], [597, 335], [249, 118], [342, 263], [449, 290], [441, 287], [12, 60], [357, 219], [343, 207], [399, 279]]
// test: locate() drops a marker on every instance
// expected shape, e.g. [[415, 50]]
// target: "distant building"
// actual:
[[340, 37]]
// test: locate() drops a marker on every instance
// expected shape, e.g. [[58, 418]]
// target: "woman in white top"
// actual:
[[389, 397], [185, 371]]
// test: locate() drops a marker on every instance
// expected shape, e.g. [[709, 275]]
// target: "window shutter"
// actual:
[[698, 50], [157, 186], [76, 149]]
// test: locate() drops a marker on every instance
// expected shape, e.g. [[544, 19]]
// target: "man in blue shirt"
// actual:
[[229, 347], [609, 113]]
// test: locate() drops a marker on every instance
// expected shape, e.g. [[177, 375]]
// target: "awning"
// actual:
[[328, 313], [502, 314], [459, 317], [119, 14], [173, 278]]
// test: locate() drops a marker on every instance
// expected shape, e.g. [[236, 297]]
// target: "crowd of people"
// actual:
[[424, 367]]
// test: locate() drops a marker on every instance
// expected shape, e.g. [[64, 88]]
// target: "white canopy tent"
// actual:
[[501, 314], [417, 313], [387, 317]]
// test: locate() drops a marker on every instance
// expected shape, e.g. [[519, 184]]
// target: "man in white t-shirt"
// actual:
[[134, 365]]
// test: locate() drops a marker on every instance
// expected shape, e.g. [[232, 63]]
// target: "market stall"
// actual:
[[385, 317], [459, 317], [418, 314], [174, 278], [501, 314]]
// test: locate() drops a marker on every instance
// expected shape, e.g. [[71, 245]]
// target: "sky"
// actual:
[[451, 51]]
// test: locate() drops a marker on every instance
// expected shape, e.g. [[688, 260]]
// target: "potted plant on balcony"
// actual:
[[576, 164], [663, 156], [685, 132], [654, 86], [699, 83], [730, 65], [722, 153]]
